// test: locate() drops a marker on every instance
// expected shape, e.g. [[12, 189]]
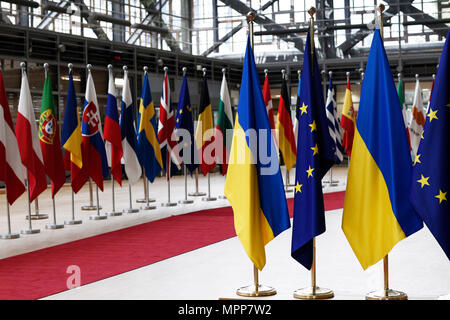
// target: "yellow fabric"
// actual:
[[347, 109], [205, 123], [73, 144], [145, 124], [285, 147], [241, 190], [368, 220]]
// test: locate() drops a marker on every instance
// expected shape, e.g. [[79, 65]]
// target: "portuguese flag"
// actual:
[[50, 141], [224, 123]]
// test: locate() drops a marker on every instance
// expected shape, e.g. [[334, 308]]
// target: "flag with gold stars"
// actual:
[[315, 156], [430, 183], [377, 211]]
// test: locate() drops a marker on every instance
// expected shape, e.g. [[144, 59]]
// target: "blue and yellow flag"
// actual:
[[315, 156], [254, 185], [431, 172], [149, 152], [184, 120], [377, 210]]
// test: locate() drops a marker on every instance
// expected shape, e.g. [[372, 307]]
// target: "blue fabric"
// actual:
[[434, 155], [309, 219]]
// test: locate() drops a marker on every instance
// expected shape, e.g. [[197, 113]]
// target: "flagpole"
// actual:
[[91, 206], [8, 235], [208, 198], [335, 182], [256, 289], [286, 184], [73, 221], [30, 229], [196, 193], [98, 216], [146, 192], [222, 196], [313, 292], [386, 293]]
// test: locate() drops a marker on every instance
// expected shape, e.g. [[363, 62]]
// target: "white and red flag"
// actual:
[[11, 169], [29, 147]]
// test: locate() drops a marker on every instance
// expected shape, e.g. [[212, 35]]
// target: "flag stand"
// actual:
[[113, 213], [37, 215], [130, 209], [98, 216], [168, 203], [313, 292], [386, 293], [73, 221], [196, 193], [146, 198], [9, 235], [288, 180], [222, 196], [54, 225], [256, 289], [186, 200], [333, 183], [30, 229], [91, 206], [209, 198], [286, 186]]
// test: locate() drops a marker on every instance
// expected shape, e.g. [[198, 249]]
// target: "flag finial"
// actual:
[[125, 69], [266, 71], [224, 70], [330, 73], [417, 76], [89, 67], [204, 71], [145, 69], [70, 66], [165, 70], [184, 71], [46, 66]]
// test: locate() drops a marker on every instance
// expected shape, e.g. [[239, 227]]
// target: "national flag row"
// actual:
[[91, 150], [387, 198]]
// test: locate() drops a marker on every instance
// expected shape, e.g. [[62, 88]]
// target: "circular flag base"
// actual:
[[388, 294], [222, 197], [197, 194], [310, 294], [130, 210], [249, 291], [54, 226], [8, 236], [144, 200], [73, 222], [90, 208], [186, 201], [168, 204], [30, 231], [209, 199], [114, 213], [148, 208], [39, 216], [98, 217]]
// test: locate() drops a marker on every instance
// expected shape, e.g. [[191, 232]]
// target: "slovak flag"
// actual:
[[91, 131], [112, 135], [166, 136]]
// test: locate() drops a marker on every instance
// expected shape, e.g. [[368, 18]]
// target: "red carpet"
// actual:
[[43, 272]]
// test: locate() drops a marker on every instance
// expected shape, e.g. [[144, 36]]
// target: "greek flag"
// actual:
[[333, 124]]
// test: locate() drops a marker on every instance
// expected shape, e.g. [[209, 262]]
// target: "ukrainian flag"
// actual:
[[254, 185], [377, 210], [149, 151]]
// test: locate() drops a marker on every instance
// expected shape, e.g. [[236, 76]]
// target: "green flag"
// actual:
[[224, 126]]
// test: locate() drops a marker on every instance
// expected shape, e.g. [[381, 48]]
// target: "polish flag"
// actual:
[[11, 169], [29, 147]]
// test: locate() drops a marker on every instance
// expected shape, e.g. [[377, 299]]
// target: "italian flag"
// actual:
[[224, 123], [50, 141]]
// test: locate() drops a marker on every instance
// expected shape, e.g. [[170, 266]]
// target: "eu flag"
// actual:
[[315, 156], [184, 120], [431, 172]]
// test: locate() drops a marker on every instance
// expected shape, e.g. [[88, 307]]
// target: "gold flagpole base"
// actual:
[[197, 194], [315, 293], [144, 200], [249, 291], [386, 295]]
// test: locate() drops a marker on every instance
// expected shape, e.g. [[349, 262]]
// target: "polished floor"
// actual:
[[417, 264]]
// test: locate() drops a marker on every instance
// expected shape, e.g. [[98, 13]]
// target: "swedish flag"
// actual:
[[149, 152]]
